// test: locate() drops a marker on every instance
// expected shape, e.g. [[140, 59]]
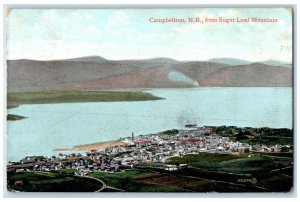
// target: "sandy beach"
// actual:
[[94, 146]]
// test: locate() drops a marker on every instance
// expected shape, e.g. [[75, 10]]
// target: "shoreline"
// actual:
[[93, 146], [15, 99]]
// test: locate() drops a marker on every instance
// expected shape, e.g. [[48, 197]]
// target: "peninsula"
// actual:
[[45, 97]]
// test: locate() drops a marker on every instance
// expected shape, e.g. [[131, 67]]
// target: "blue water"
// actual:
[[51, 126]]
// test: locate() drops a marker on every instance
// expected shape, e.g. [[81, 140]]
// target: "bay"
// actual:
[[51, 126]]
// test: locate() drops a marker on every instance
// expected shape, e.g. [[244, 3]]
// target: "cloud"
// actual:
[[235, 12], [118, 18], [92, 29], [116, 34], [88, 15]]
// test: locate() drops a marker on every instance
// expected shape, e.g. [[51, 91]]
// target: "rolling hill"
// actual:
[[90, 73], [252, 75], [236, 62]]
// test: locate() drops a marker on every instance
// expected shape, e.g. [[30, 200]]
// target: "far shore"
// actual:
[[14, 99], [94, 146]]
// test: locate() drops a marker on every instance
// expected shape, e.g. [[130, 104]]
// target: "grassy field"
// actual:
[[270, 141], [129, 181], [278, 155], [239, 164], [272, 172], [193, 180], [194, 184], [254, 165], [182, 183], [64, 181], [204, 157]]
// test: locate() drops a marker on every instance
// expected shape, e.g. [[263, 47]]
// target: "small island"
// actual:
[[13, 117]]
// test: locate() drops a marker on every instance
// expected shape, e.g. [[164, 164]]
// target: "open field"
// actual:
[[196, 184], [127, 181], [61, 181], [266, 172], [204, 157], [238, 164], [288, 155], [183, 183], [43, 97]]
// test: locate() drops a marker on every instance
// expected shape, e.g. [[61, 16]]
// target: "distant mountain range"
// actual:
[[235, 62], [94, 72]]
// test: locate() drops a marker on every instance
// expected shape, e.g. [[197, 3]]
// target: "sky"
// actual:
[[47, 34]]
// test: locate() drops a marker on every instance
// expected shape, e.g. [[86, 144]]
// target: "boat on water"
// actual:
[[190, 125]]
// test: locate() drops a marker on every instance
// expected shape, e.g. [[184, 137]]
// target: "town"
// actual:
[[157, 149]]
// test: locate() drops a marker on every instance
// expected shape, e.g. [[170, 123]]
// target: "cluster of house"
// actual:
[[153, 148]]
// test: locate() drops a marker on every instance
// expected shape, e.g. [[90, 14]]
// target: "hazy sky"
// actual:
[[127, 34]]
